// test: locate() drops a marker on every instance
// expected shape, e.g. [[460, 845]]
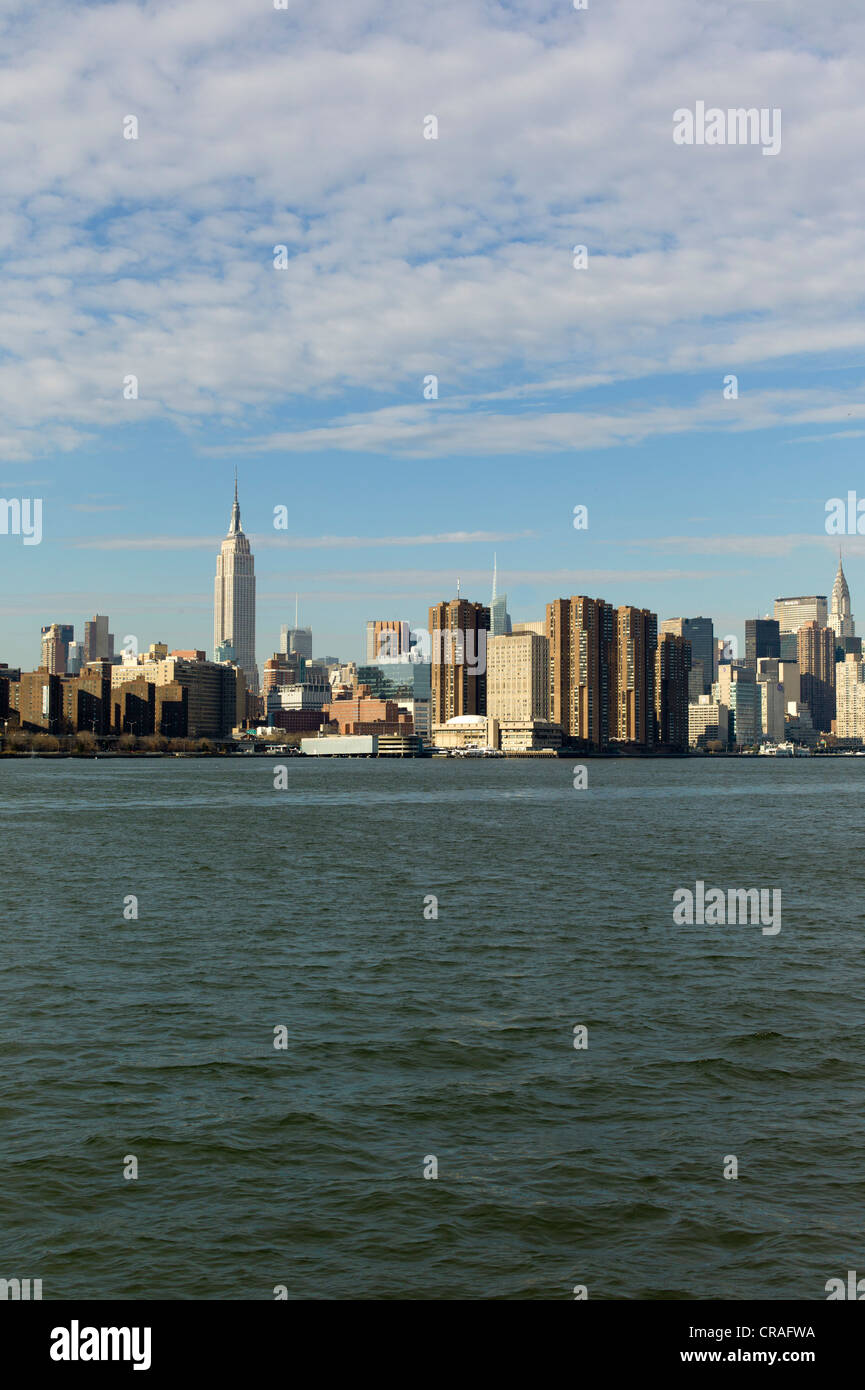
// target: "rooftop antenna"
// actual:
[[494, 577], [295, 611], [458, 588]]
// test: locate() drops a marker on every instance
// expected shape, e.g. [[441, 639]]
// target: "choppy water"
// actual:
[[410, 1037]]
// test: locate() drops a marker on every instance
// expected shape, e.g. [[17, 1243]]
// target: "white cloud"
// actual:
[[408, 256]]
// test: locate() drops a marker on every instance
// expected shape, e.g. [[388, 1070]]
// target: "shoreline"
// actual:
[[543, 757]]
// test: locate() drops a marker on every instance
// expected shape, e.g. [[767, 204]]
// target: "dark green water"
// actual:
[[408, 1037]]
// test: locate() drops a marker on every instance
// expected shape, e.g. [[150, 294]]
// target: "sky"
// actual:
[[408, 257]]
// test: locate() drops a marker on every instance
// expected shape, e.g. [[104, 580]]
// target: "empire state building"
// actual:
[[234, 599]]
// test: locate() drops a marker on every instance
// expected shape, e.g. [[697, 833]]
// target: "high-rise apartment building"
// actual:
[[518, 677], [602, 671], [792, 613], [54, 649], [762, 639], [636, 647], [582, 655], [850, 697], [234, 598], [37, 697], [817, 673], [840, 616], [459, 632], [216, 694], [672, 673], [700, 634], [54, 633]]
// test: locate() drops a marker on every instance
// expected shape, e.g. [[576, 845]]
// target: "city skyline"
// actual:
[[270, 640]]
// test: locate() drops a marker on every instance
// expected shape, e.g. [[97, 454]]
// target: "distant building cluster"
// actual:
[[587, 676]]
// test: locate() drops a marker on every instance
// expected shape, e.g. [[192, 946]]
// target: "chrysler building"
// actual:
[[234, 599], [840, 617]]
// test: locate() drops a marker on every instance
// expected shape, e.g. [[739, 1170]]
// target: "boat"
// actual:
[[784, 750]]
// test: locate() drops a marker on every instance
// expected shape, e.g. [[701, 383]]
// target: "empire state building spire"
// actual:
[[234, 599], [235, 525]]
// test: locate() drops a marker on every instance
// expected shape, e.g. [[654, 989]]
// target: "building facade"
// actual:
[[234, 598], [458, 675], [700, 634], [518, 677], [581, 633], [387, 639], [817, 673], [762, 639], [636, 649], [672, 679], [840, 615], [850, 698], [793, 613]]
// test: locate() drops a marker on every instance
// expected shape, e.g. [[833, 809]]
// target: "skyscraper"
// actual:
[[62, 633], [700, 633], [459, 659], [234, 597], [762, 639], [54, 649], [582, 653], [793, 612], [850, 697], [500, 618], [840, 616], [817, 673], [636, 648], [737, 689], [518, 666], [672, 668], [98, 641], [297, 640]]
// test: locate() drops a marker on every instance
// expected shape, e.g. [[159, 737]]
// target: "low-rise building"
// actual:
[[467, 731], [529, 736], [340, 746]]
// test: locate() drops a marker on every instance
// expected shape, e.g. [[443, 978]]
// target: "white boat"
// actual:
[[784, 750]]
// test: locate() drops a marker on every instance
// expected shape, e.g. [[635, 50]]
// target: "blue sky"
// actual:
[[407, 257]]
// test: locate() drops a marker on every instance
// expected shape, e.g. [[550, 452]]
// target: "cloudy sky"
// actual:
[[408, 257]]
